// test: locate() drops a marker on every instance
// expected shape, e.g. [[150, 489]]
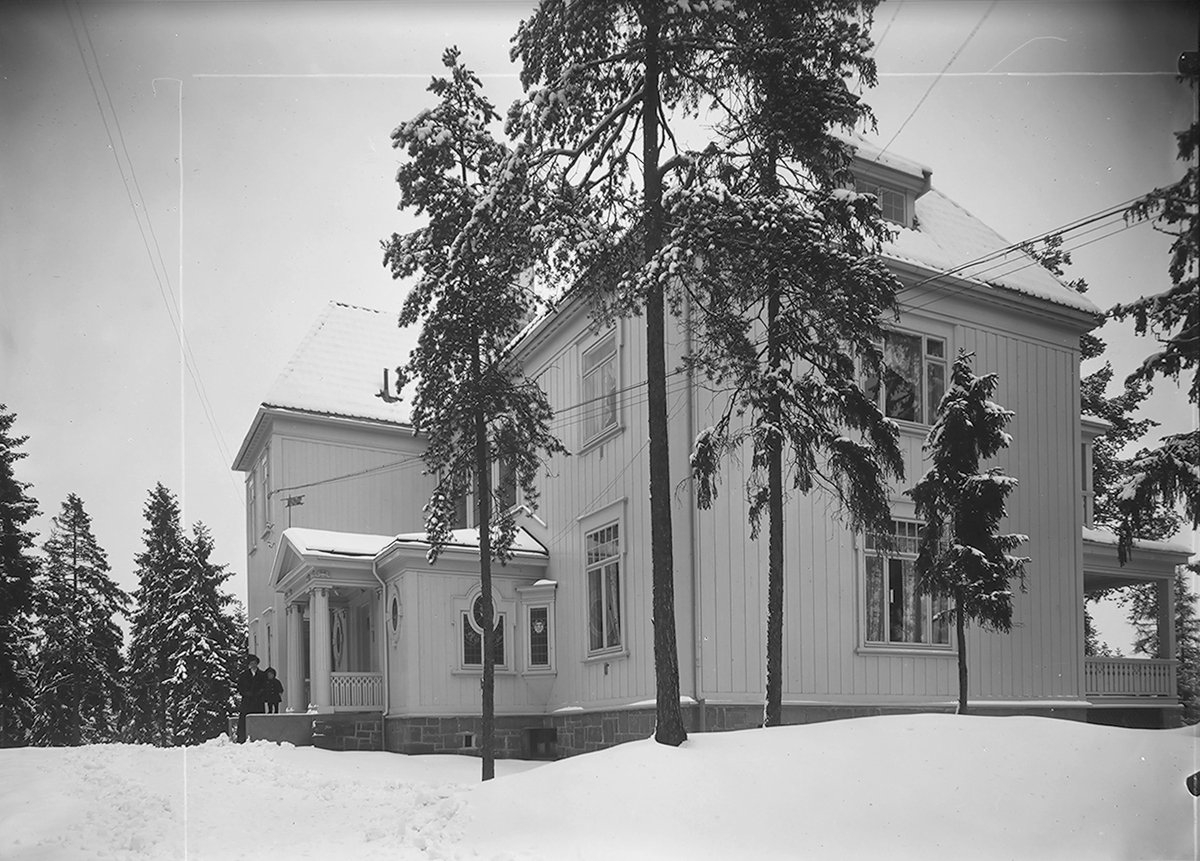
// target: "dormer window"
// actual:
[[891, 200]]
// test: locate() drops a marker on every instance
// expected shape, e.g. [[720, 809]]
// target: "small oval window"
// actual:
[[395, 615]]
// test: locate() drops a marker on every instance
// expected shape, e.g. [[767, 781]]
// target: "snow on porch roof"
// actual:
[[523, 543], [308, 541], [338, 368]]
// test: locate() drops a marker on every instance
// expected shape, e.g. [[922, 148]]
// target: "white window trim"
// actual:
[[500, 607], [586, 346], [252, 509], [923, 334], [540, 595], [622, 647], [877, 188], [874, 647], [265, 491]]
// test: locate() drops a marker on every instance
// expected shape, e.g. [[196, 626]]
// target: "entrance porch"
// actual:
[[1139, 690]]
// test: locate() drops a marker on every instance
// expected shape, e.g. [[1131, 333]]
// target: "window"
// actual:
[[891, 201], [506, 483], [252, 509], [896, 614], [472, 634], [537, 613], [914, 377], [264, 494], [603, 552], [599, 368], [539, 636]]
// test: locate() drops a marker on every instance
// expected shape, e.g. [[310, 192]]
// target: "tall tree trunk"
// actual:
[[669, 728], [960, 632], [774, 708], [484, 484], [76, 730]]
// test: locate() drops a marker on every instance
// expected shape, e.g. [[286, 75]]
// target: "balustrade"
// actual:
[[356, 691], [1129, 677]]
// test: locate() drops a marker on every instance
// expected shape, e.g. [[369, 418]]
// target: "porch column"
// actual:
[[1166, 618], [319, 657], [295, 659]]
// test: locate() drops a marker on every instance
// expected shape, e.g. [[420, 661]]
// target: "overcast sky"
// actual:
[[254, 136]]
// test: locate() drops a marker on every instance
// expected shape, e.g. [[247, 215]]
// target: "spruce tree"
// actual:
[[472, 297], [162, 568], [80, 665], [961, 554], [1167, 475], [202, 647], [17, 570]]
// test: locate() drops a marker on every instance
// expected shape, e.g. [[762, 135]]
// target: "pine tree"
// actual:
[[80, 666], [961, 555], [472, 296], [781, 252], [203, 648], [1168, 474], [17, 570], [161, 569]]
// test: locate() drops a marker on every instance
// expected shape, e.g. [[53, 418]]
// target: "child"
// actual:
[[272, 692]]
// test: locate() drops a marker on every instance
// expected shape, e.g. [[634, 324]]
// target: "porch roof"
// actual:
[[308, 541], [1104, 536], [524, 544]]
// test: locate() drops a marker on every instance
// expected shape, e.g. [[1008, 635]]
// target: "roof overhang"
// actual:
[[260, 428], [1148, 561], [918, 276]]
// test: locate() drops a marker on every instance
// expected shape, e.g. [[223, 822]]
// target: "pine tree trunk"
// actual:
[[484, 484], [669, 728], [774, 709], [960, 632]]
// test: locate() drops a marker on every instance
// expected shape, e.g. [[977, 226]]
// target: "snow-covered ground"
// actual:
[[889, 787]]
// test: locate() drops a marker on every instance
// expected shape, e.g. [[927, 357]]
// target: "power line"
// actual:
[[940, 75], [168, 298], [1063, 230]]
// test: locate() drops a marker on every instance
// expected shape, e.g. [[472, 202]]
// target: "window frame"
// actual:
[[927, 413], [871, 550], [538, 596], [592, 404], [600, 567], [252, 534], [264, 502], [886, 197], [502, 613]]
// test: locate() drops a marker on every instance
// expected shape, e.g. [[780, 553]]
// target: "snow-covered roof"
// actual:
[[948, 236], [338, 368], [306, 541], [523, 543], [1099, 535]]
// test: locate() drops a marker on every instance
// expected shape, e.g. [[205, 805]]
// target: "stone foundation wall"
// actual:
[[347, 732]]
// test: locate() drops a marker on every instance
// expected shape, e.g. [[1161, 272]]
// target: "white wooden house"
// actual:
[[377, 647]]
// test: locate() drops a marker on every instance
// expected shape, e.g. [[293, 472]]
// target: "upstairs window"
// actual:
[[252, 510], [891, 201], [914, 377], [264, 493], [896, 614], [599, 370]]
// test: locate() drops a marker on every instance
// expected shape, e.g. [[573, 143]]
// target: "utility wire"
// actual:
[[167, 296], [945, 69]]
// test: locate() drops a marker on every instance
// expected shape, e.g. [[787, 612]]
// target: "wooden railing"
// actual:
[[1129, 677], [351, 691]]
